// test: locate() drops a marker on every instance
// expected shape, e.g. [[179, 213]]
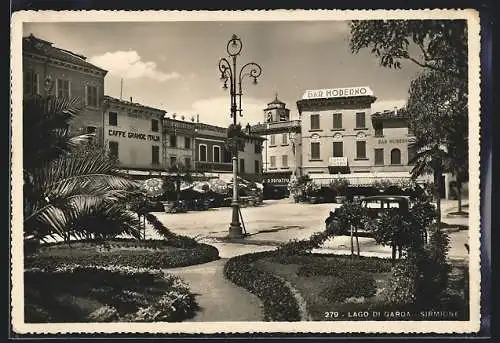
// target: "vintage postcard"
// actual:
[[245, 172]]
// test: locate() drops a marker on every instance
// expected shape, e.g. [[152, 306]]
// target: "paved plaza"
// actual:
[[279, 221]]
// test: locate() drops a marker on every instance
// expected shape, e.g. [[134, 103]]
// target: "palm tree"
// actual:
[[71, 189]]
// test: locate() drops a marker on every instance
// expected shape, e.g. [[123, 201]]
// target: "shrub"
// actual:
[[277, 298], [402, 289], [356, 284], [125, 294]]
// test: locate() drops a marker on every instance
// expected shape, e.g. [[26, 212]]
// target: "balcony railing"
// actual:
[[276, 126]]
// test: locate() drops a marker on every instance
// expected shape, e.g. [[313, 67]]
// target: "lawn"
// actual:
[[336, 287]]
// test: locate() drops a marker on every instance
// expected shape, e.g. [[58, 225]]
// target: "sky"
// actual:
[[174, 65]]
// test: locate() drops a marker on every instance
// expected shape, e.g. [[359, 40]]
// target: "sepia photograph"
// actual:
[[246, 171]]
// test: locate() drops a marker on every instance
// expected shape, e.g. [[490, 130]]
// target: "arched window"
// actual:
[[395, 156]]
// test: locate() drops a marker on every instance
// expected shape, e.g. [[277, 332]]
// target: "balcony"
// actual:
[[213, 166], [277, 127]]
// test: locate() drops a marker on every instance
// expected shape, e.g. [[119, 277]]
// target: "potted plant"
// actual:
[[340, 187]]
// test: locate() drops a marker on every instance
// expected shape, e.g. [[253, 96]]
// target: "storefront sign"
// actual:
[[279, 179], [337, 161], [393, 141], [337, 92], [133, 135]]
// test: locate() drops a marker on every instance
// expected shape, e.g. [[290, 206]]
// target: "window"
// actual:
[[337, 120], [31, 86], [284, 138], [113, 119], [173, 141], [216, 152], [187, 162], [283, 116], [395, 156], [273, 140], [315, 155], [284, 161], [227, 156], [379, 157], [360, 120], [91, 96], [360, 149], [338, 149], [187, 142], [258, 148], [242, 165], [273, 161], [314, 121], [257, 166], [113, 149], [154, 125], [173, 160], [63, 88], [379, 129], [155, 154], [203, 153]]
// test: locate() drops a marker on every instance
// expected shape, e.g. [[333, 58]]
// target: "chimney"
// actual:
[[197, 118], [395, 110], [130, 99]]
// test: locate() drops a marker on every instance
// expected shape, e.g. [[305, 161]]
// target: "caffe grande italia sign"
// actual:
[[133, 135], [337, 92]]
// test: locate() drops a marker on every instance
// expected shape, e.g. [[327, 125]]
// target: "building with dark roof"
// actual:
[[50, 70]]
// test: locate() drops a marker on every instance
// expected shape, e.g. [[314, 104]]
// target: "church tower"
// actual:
[[276, 111]]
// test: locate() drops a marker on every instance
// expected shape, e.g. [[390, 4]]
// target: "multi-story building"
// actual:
[[212, 155], [133, 134], [282, 158], [49, 70], [341, 136], [178, 142]]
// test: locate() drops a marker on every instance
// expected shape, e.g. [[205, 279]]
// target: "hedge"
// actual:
[[345, 264], [202, 253], [352, 284], [277, 298]]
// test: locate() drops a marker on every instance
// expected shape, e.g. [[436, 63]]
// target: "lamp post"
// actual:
[[229, 72]]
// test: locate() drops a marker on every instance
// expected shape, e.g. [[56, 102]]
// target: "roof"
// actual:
[[390, 115], [128, 103], [386, 197], [276, 101], [32, 44]]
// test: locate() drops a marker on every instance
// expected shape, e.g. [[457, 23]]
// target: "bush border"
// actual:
[[279, 302]]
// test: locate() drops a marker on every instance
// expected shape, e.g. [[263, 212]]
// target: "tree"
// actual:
[[70, 189], [437, 45], [438, 118], [350, 218]]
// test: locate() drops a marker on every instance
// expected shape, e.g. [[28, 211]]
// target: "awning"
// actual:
[[365, 179]]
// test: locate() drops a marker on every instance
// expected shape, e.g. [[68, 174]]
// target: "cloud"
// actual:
[[381, 105], [216, 111], [128, 64], [319, 32]]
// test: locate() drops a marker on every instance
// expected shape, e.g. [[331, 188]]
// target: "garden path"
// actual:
[[219, 299]]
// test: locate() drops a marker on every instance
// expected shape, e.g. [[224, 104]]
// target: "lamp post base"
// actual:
[[235, 230]]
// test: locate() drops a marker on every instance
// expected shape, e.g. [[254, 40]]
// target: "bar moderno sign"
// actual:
[[337, 93], [133, 135]]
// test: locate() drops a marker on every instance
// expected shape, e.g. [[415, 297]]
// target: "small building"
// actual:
[[282, 158], [133, 135], [49, 70]]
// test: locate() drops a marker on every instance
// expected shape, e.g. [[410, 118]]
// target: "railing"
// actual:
[[275, 126]]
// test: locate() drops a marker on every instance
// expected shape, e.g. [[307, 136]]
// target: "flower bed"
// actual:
[[74, 293], [279, 302], [139, 254]]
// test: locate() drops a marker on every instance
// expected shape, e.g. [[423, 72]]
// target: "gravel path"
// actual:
[[219, 299]]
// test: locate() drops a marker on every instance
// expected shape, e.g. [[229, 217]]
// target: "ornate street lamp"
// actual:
[[227, 68]]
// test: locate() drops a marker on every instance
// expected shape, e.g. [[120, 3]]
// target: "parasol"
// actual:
[[153, 187]]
